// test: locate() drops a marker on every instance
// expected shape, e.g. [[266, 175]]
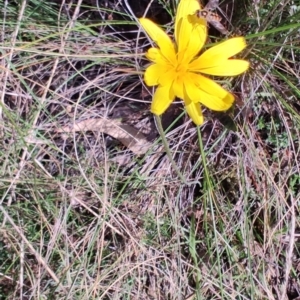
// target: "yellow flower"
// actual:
[[176, 66]]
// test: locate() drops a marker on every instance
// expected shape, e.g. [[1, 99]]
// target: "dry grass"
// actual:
[[83, 217]]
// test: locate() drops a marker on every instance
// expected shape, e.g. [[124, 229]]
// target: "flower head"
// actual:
[[176, 66]]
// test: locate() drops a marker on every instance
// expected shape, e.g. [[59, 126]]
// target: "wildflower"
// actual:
[[176, 66]]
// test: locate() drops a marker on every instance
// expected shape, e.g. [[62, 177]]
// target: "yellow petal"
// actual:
[[216, 55], [178, 88], [230, 67], [191, 89], [162, 40], [195, 113], [190, 31], [162, 99], [185, 8], [198, 88], [167, 77], [154, 54], [153, 73]]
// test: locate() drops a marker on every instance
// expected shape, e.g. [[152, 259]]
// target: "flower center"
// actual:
[[180, 68]]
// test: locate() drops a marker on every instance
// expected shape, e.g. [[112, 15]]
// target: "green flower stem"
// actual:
[[167, 149]]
